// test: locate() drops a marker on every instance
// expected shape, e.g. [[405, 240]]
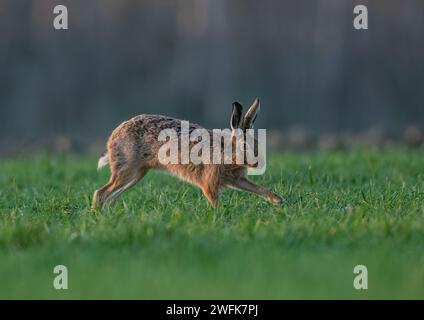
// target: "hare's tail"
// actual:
[[103, 161]]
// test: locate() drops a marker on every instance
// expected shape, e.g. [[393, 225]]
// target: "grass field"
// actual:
[[162, 240]]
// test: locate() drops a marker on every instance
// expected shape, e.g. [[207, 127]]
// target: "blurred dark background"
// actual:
[[317, 76]]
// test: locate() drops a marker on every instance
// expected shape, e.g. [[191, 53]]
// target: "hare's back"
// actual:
[[154, 124], [145, 126]]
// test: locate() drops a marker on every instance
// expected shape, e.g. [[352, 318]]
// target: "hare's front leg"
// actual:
[[212, 194], [247, 185]]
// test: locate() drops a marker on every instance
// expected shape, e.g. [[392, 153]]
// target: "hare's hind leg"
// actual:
[[120, 181], [124, 181], [100, 194]]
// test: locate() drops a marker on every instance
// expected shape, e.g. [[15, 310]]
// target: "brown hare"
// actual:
[[133, 147]]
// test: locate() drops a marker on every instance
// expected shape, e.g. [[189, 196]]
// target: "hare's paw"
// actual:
[[276, 199]]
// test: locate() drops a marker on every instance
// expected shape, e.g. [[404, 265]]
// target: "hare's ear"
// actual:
[[236, 115], [251, 114]]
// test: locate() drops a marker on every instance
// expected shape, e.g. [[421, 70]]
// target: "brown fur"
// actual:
[[132, 150]]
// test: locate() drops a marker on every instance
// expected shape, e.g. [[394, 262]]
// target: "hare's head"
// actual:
[[245, 143]]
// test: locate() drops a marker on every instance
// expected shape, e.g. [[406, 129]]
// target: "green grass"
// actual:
[[162, 240]]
